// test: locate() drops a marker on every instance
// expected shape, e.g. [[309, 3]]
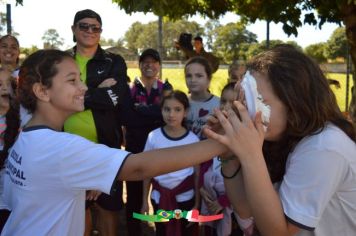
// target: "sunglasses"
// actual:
[[86, 27]]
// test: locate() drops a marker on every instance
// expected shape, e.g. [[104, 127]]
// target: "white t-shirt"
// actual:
[[24, 117], [159, 139], [2, 170], [199, 112], [318, 192], [3, 206], [47, 175]]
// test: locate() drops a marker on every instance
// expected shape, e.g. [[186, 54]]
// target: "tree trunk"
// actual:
[[349, 19]]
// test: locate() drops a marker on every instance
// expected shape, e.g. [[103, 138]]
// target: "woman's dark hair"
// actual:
[[12, 119], [180, 97], [16, 41], [202, 61], [39, 67], [303, 88]]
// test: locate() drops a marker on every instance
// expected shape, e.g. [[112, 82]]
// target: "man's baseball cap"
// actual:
[[87, 13], [150, 52]]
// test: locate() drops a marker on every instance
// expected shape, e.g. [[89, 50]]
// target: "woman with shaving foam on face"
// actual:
[[295, 173]]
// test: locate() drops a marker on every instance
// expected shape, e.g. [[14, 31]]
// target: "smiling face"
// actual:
[[85, 32], [149, 67], [5, 91], [196, 78], [278, 118], [66, 95], [9, 51], [173, 112]]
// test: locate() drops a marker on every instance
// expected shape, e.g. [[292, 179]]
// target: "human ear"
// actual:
[[41, 92]]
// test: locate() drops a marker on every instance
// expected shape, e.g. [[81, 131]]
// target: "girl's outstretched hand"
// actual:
[[241, 135]]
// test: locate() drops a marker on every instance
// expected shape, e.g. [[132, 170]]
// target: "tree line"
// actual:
[[230, 42]]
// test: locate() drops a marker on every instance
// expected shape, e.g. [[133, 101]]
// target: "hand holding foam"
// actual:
[[254, 100]]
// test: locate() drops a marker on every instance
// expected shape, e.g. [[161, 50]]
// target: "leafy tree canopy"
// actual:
[[52, 38], [316, 51], [229, 41], [336, 46], [141, 36], [288, 12]]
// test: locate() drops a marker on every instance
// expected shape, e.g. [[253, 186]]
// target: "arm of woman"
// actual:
[[264, 201], [235, 189], [245, 139]]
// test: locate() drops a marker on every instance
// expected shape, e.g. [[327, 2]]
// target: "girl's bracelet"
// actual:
[[233, 175], [225, 160]]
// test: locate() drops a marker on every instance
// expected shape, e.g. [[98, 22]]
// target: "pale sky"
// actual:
[[36, 16]]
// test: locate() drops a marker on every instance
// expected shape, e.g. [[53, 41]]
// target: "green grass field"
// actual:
[[341, 92], [176, 78]]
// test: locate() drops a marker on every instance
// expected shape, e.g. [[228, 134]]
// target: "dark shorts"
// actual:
[[112, 202]]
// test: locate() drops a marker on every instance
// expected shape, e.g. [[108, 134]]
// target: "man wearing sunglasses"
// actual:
[[105, 74]]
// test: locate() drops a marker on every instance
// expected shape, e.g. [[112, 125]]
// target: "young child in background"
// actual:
[[197, 77], [59, 167], [9, 60], [9, 53], [174, 190], [9, 125], [212, 191]]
